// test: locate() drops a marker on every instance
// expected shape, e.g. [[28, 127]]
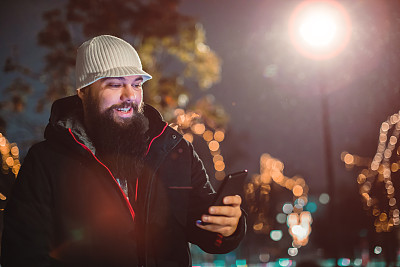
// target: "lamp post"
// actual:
[[320, 30]]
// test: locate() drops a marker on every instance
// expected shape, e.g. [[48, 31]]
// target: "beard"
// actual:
[[119, 145]]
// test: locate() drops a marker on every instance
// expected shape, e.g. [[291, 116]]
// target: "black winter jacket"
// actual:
[[68, 210]]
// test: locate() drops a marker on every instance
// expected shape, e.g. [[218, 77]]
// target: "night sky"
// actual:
[[269, 90]]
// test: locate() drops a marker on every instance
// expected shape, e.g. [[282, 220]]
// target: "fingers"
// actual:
[[232, 200], [223, 219], [228, 211], [219, 224], [219, 220], [223, 230]]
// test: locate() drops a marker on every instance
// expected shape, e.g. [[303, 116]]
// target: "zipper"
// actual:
[[150, 185], [132, 212], [147, 202]]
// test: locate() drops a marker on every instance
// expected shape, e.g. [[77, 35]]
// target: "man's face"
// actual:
[[120, 97], [115, 123]]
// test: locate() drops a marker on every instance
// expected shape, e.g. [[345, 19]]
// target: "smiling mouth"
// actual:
[[125, 110]]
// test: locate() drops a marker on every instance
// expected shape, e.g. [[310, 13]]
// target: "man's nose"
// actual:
[[128, 93]]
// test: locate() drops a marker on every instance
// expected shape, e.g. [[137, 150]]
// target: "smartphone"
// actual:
[[232, 184]]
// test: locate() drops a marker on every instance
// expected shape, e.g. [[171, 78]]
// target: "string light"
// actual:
[[298, 221], [10, 156], [379, 170], [10, 159], [190, 124]]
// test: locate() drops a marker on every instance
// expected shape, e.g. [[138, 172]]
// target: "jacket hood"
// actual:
[[67, 115]]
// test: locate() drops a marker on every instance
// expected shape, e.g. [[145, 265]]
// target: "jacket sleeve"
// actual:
[[27, 218], [200, 199]]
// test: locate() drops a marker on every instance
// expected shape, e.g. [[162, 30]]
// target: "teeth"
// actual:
[[124, 109]]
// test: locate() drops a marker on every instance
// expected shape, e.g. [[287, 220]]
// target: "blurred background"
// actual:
[[302, 94]]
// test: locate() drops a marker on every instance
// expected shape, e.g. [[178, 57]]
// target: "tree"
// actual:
[[172, 48]]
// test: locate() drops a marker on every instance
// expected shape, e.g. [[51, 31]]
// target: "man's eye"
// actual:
[[137, 85], [114, 85]]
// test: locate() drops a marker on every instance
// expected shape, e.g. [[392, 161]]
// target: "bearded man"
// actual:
[[112, 184]]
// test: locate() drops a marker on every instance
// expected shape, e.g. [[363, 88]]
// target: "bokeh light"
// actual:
[[311, 207], [281, 218], [10, 156], [276, 235], [287, 208], [258, 190], [297, 190], [190, 123], [293, 251], [284, 262], [324, 198], [379, 173], [219, 136], [208, 135], [264, 257], [377, 250], [357, 262], [213, 145], [198, 128], [344, 262], [188, 137]]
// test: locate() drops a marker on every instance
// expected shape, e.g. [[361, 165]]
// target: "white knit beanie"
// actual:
[[106, 56]]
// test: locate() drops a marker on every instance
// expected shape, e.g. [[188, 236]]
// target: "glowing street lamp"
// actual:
[[319, 29]]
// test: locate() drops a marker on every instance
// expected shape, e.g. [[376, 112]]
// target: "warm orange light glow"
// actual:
[[395, 167], [349, 159], [393, 140], [297, 190], [258, 226], [390, 190], [219, 136], [383, 217], [10, 161], [385, 126], [300, 181], [219, 175], [213, 145], [271, 170], [375, 212], [382, 137], [188, 137], [219, 165], [217, 158], [15, 151], [289, 184], [198, 128], [208, 135], [361, 178]]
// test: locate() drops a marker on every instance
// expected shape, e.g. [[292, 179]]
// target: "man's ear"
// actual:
[[82, 93]]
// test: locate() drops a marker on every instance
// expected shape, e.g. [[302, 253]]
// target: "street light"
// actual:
[[320, 30]]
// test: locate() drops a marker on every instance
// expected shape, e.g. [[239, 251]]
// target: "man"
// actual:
[[112, 184]]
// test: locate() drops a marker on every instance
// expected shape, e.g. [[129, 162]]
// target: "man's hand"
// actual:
[[223, 219]]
